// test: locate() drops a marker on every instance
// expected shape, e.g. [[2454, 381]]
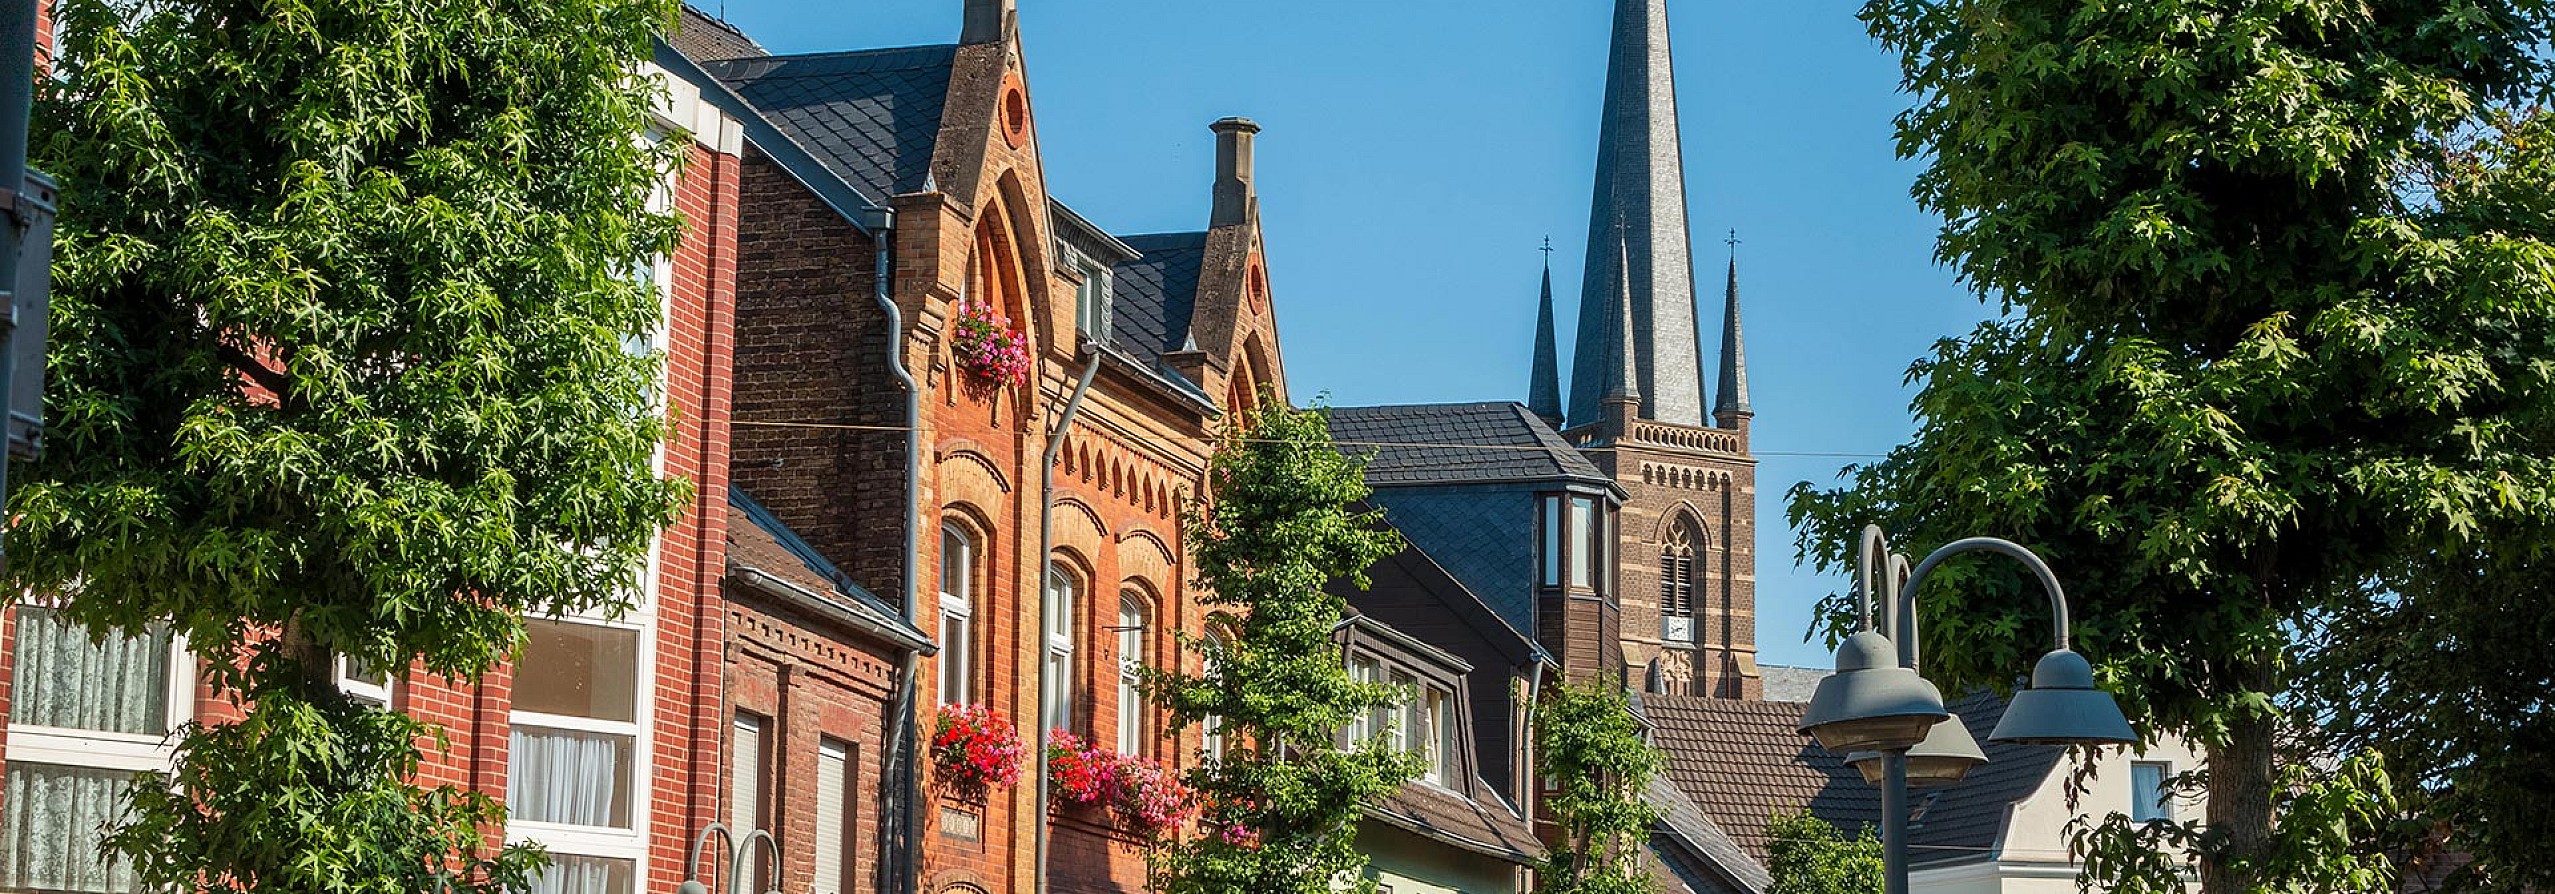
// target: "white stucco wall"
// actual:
[[2031, 850]]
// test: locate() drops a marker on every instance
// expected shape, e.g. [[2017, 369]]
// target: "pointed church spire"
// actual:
[[1543, 391], [1641, 190], [1730, 403]]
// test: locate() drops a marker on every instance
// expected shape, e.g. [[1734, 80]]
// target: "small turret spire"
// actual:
[[1543, 390], [1730, 404]]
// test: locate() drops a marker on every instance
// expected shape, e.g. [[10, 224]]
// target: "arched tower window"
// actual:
[[1677, 564]]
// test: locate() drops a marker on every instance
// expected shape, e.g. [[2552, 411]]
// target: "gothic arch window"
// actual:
[[1678, 562], [993, 271]]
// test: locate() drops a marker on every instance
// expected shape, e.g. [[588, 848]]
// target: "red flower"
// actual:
[[986, 347], [976, 748]]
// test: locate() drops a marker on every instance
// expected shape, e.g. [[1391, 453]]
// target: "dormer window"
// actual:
[[1574, 536], [1425, 726], [1091, 300]]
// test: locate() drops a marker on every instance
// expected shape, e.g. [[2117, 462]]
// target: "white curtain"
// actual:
[[583, 875], [51, 820], [579, 779], [63, 680]]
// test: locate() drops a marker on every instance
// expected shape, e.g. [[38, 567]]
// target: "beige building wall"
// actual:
[[2030, 855]]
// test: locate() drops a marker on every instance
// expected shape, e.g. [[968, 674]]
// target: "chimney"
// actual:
[[1236, 199], [987, 21]]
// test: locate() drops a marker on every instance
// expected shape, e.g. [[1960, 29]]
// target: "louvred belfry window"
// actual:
[[1677, 579]]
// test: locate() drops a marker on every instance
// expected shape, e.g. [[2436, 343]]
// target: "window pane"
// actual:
[[833, 808], [560, 776], [1432, 726], [120, 685], [1058, 697], [955, 681], [51, 820], [957, 563], [570, 874], [2147, 798], [1583, 528], [579, 670], [957, 606], [1552, 542], [1131, 628]]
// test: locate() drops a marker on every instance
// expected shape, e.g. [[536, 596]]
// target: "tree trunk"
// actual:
[[2240, 791]]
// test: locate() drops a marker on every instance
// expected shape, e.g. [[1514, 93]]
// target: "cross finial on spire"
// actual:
[[1733, 241], [1548, 251]]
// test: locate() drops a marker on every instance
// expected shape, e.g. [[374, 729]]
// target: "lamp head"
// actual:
[[692, 886], [2063, 707], [1871, 703], [1946, 756]]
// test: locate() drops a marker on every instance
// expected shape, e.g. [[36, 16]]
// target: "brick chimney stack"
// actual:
[[988, 21], [1236, 199]]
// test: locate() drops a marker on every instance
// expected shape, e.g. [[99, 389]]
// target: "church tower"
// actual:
[[1686, 555]]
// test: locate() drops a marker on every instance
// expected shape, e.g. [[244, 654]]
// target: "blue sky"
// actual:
[[1417, 152]]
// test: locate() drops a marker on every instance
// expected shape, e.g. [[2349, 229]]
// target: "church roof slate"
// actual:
[[1446, 444], [870, 116]]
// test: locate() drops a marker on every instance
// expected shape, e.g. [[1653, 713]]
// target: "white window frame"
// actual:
[[100, 750], [1134, 622], [1056, 614], [83, 749], [355, 687], [958, 653], [2163, 795], [601, 842]]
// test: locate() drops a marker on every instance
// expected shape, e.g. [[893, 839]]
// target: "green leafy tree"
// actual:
[[2447, 677], [344, 293], [1283, 802], [1809, 856], [2278, 316], [1588, 744]]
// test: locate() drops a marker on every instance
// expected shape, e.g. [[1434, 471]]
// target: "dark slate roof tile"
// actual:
[[1428, 444], [869, 116], [1154, 296]]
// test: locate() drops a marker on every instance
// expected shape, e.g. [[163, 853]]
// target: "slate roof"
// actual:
[[1790, 684], [703, 37], [870, 116], [762, 544], [1424, 444], [1153, 297], [1743, 761]]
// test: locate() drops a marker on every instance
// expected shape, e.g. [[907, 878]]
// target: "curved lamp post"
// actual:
[[1948, 752], [1876, 703], [737, 878]]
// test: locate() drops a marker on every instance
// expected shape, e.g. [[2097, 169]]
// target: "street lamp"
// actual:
[[1949, 752], [737, 878], [1870, 704]]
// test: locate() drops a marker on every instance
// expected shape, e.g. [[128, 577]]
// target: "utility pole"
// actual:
[[26, 206]]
